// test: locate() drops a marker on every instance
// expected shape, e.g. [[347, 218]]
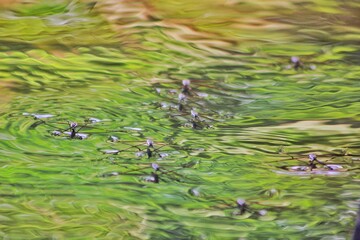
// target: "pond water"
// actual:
[[218, 168]]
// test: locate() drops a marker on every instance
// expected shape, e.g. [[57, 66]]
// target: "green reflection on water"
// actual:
[[123, 63]]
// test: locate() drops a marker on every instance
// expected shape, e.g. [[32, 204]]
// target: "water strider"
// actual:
[[242, 206], [187, 98], [73, 131], [197, 122], [140, 171], [165, 174], [186, 89], [297, 64], [314, 165], [150, 150]]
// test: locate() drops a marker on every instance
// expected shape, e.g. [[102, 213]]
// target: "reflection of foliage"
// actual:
[[38, 68], [74, 79], [54, 24], [41, 9]]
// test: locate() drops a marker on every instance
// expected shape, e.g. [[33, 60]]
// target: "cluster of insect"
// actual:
[[71, 129], [264, 208], [186, 106], [145, 148]]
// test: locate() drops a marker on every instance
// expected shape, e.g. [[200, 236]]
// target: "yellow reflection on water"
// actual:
[[6, 92]]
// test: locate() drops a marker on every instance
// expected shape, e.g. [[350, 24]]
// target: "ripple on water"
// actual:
[[264, 116]]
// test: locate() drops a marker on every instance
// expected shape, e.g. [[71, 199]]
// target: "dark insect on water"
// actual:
[[256, 209], [314, 162], [189, 92], [150, 150], [186, 89], [242, 206], [142, 171], [246, 208], [73, 130], [297, 64], [186, 97], [188, 100], [315, 165], [197, 122], [160, 174]]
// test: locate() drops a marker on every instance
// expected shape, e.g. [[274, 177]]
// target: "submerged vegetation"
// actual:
[[179, 119]]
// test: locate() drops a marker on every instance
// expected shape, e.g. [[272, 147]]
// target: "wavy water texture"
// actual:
[[162, 160]]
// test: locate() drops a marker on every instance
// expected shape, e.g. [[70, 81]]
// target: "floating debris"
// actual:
[[316, 166], [296, 63]]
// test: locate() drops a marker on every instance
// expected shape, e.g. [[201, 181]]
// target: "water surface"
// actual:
[[123, 63]]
